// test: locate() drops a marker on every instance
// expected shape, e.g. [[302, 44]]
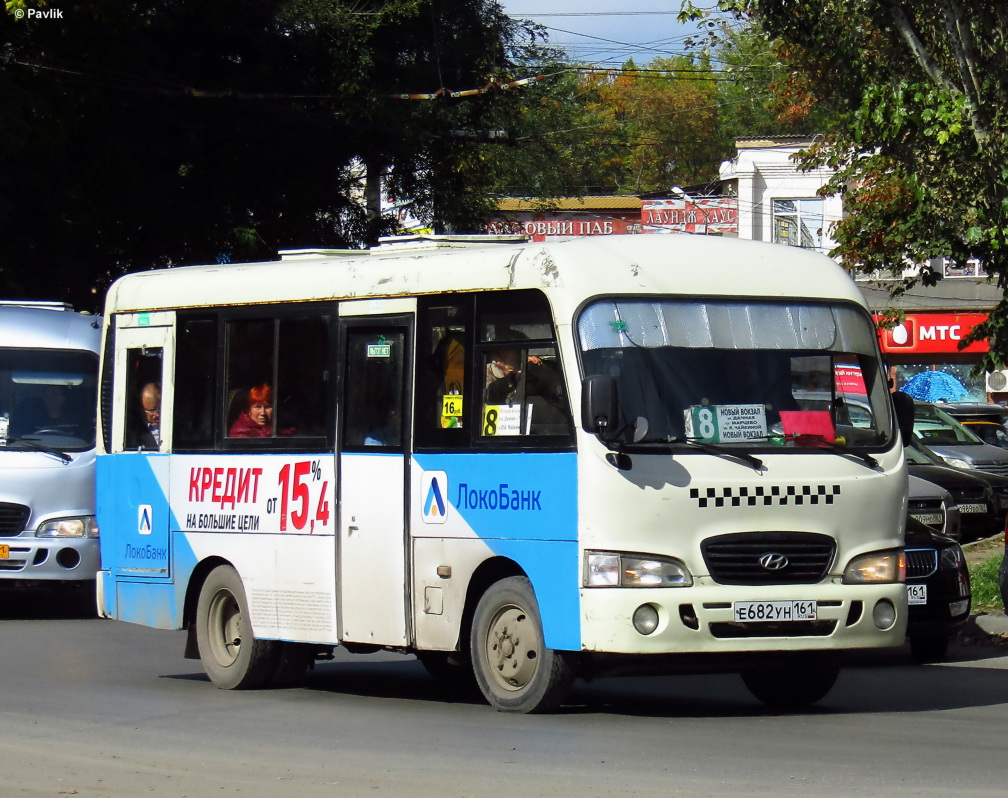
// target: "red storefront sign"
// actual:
[[932, 333], [681, 215], [565, 226]]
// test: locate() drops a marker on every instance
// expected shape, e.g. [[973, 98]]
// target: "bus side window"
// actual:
[[143, 392], [523, 390], [195, 381], [443, 373], [250, 346]]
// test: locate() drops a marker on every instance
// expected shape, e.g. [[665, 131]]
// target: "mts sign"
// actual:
[[932, 333]]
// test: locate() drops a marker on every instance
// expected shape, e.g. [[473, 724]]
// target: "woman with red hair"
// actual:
[[257, 420]]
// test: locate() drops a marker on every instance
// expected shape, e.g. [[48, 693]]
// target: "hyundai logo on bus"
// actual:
[[773, 561]]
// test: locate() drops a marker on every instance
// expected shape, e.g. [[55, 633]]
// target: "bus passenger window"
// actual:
[[195, 375], [374, 389], [302, 403], [143, 405], [442, 398], [250, 349]]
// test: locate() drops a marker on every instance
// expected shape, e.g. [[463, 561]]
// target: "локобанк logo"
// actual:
[[434, 494]]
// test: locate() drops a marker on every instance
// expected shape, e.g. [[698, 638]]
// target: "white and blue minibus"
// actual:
[[523, 463], [48, 396]]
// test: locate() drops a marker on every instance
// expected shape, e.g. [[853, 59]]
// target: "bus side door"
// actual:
[[135, 518], [374, 447]]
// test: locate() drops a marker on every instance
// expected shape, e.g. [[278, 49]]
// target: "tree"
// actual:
[[920, 149], [178, 131]]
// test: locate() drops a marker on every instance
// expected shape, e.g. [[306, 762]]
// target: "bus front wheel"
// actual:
[[231, 656], [794, 683], [513, 668]]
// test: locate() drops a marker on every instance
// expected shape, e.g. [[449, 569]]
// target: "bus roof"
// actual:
[[569, 271], [35, 327]]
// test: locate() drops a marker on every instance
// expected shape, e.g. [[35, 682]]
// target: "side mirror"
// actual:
[[599, 404], [903, 404]]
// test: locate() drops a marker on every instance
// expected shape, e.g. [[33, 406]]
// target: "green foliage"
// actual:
[[920, 89], [984, 585], [186, 131]]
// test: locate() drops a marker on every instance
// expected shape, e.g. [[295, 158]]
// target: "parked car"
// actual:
[[938, 591], [933, 506], [955, 444], [986, 421], [982, 498]]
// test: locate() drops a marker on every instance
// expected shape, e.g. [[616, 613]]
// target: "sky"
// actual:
[[607, 32]]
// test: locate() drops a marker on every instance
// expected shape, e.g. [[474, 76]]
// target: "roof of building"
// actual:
[[775, 141], [608, 203]]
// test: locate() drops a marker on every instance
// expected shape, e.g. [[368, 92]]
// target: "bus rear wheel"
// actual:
[[231, 656], [513, 668]]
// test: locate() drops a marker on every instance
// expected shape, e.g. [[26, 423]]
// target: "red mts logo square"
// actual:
[[902, 336]]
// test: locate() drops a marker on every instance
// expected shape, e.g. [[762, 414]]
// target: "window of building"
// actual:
[[798, 223]]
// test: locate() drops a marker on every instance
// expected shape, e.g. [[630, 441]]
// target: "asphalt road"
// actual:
[[101, 708]]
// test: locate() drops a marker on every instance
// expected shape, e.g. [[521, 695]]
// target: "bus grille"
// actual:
[[729, 630], [13, 518], [736, 559], [921, 563]]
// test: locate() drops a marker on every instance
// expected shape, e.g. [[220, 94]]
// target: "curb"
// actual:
[[992, 629]]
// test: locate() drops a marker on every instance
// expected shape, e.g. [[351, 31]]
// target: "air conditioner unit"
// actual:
[[997, 381]]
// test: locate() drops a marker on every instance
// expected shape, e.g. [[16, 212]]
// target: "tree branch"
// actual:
[[906, 29], [964, 53]]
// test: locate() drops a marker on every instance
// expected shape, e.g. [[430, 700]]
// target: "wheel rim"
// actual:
[[512, 650], [224, 627]]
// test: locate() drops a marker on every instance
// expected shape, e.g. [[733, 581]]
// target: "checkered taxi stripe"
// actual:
[[761, 495]]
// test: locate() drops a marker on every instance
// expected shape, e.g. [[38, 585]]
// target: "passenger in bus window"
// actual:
[[256, 421], [150, 405], [502, 374]]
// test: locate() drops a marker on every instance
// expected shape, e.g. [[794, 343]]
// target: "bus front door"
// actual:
[[373, 458]]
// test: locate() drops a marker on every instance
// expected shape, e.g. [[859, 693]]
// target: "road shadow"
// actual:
[[40, 604], [866, 686]]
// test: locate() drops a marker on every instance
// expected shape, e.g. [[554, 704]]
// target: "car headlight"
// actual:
[[952, 557], [876, 567], [83, 527], [958, 462], [615, 569]]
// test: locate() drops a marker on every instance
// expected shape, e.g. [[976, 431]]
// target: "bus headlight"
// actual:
[[83, 527], [876, 567], [615, 569]]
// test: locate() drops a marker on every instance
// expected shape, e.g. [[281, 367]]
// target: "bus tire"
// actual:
[[793, 684], [231, 656], [513, 668], [449, 669], [929, 646], [293, 659]]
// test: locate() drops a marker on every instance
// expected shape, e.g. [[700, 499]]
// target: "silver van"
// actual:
[[954, 443], [48, 397]]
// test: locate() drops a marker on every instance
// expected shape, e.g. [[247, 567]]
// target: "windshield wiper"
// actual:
[[721, 451], [29, 443], [836, 448]]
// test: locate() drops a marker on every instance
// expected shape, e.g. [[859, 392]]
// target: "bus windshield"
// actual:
[[47, 399], [752, 374]]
